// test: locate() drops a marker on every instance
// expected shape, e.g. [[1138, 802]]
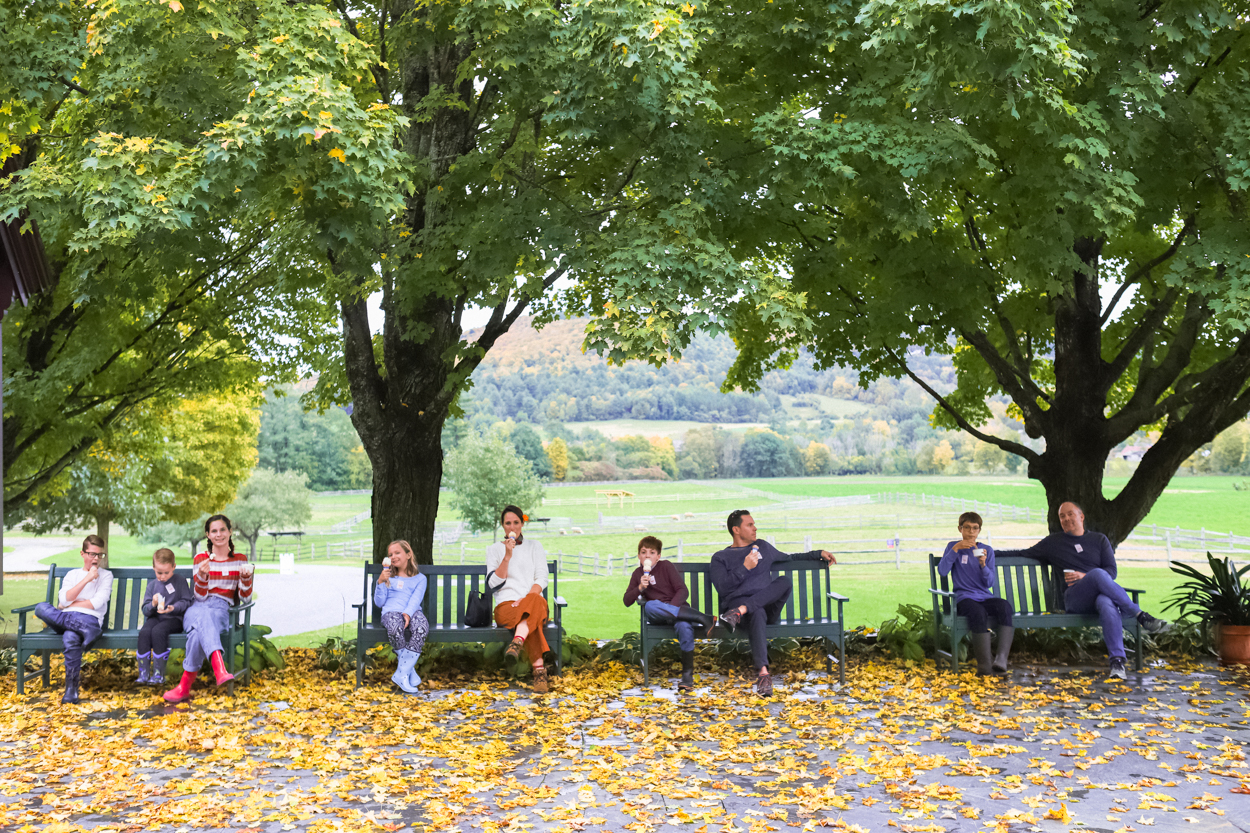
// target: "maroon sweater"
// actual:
[[667, 587]]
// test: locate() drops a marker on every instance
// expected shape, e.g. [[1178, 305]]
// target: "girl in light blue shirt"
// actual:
[[399, 592]]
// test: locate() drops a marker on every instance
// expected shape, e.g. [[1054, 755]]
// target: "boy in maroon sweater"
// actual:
[[658, 587]]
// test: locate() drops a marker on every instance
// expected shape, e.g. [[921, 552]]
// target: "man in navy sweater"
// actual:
[[1088, 563], [747, 590]]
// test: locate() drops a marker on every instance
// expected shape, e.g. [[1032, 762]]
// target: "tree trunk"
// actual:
[[102, 523], [405, 487]]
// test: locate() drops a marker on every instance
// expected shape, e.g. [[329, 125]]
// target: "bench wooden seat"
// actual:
[[1035, 592], [809, 612], [122, 622], [447, 589]]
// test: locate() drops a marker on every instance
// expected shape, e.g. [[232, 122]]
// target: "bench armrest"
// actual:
[[559, 601], [838, 597], [946, 593], [23, 610], [1134, 593]]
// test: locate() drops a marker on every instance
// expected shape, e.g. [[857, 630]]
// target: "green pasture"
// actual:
[[617, 428]]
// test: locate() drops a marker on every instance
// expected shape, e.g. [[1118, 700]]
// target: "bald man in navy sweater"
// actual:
[[1088, 563]]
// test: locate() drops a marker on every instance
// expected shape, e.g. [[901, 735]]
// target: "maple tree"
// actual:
[[1054, 194], [175, 158]]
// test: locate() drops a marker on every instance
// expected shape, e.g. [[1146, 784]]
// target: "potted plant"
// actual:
[[1220, 600]]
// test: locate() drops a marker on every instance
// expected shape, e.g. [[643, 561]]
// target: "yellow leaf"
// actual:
[[338, 154], [1060, 814]]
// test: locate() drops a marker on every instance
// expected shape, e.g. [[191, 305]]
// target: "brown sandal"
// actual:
[[514, 650], [540, 680]]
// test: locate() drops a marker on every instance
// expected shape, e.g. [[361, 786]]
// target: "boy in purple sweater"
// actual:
[[972, 566], [663, 594]]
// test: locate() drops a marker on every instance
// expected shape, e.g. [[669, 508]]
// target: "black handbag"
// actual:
[[478, 610]]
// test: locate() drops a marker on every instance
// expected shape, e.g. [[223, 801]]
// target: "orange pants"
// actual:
[[534, 607]]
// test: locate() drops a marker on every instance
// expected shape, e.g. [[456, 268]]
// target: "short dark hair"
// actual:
[[651, 543], [735, 519], [515, 510], [970, 516]]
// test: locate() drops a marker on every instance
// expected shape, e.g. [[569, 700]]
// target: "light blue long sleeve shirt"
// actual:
[[403, 594]]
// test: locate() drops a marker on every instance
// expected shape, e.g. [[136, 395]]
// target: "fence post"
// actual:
[[807, 543], [680, 551], [1167, 534], [596, 564], [898, 551], [1204, 540], [462, 552]]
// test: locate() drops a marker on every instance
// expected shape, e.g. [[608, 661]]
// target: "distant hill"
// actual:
[[543, 375]]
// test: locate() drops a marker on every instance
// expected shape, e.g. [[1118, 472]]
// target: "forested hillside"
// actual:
[[543, 375]]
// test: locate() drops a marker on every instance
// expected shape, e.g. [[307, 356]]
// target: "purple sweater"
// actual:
[[971, 580]]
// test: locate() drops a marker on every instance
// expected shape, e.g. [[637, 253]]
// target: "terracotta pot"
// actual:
[[1233, 644]]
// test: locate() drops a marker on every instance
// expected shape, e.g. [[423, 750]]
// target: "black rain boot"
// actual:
[[71, 684], [981, 650], [1005, 633], [687, 671], [703, 622]]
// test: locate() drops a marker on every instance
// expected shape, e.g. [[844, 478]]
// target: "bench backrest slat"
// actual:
[[125, 611], [809, 599], [1030, 586], [447, 589]]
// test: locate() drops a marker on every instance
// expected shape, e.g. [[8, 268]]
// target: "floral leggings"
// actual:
[[412, 639]]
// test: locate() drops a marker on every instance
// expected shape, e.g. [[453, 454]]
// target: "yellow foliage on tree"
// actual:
[[558, 453], [816, 458]]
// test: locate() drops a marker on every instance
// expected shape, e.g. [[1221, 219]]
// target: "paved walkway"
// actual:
[[28, 552], [898, 750], [316, 597]]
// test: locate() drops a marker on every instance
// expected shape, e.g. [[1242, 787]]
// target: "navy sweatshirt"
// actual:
[[735, 582], [1072, 552], [177, 596]]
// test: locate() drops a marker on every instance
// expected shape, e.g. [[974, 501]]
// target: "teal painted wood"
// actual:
[[809, 612], [122, 622], [447, 589], [1035, 592]]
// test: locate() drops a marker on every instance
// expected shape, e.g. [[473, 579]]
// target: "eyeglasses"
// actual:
[[96, 554]]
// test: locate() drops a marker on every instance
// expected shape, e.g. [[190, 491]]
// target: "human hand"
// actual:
[[753, 558], [508, 544], [644, 583], [828, 557], [981, 558], [516, 603], [1072, 576], [247, 568], [385, 577], [93, 572], [407, 619], [203, 567]]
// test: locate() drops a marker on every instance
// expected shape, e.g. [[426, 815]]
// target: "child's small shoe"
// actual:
[[183, 689], [159, 661], [145, 668]]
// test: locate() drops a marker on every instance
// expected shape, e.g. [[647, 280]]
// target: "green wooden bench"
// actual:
[[122, 622], [1035, 592], [448, 587], [809, 612]]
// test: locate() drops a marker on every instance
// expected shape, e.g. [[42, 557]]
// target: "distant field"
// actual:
[[829, 406]]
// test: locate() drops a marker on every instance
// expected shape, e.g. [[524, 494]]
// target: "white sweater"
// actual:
[[96, 592], [527, 568]]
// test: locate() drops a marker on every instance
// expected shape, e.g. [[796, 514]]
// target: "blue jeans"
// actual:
[[1098, 592], [663, 613], [78, 629], [204, 621]]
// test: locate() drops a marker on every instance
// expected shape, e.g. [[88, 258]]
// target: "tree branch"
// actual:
[[1148, 266], [1006, 445]]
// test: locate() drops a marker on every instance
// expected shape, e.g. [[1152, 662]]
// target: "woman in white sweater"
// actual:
[[516, 571]]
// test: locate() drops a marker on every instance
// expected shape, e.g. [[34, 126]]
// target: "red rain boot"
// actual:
[[219, 668], [183, 689]]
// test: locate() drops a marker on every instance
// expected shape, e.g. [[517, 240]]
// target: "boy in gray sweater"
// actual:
[[167, 597]]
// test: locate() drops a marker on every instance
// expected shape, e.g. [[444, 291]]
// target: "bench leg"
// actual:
[[360, 662], [1138, 654], [47, 668]]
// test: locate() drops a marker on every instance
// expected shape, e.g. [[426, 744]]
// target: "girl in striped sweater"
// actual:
[[222, 578]]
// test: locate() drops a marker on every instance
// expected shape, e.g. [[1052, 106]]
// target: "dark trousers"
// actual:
[[763, 609], [154, 635], [978, 613], [77, 630]]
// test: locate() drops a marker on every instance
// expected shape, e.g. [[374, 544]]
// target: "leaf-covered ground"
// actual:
[[897, 750]]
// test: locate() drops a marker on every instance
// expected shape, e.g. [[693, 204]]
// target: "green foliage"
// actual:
[[184, 244], [529, 444], [263, 654], [1186, 637], [1223, 597], [322, 446], [338, 655], [270, 501], [486, 474], [910, 635]]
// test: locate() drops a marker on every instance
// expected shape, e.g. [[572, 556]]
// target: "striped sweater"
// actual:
[[224, 578]]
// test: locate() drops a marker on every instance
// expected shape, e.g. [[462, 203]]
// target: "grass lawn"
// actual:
[[347, 630], [19, 592], [595, 610]]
